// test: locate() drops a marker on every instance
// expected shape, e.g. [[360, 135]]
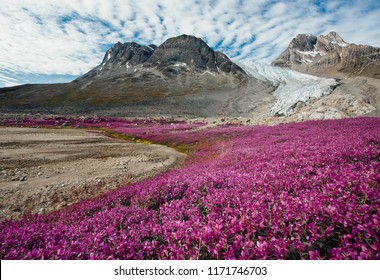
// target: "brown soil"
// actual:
[[47, 169]]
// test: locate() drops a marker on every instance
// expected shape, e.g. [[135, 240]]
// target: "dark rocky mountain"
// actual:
[[182, 54], [181, 76], [127, 54], [330, 55], [189, 52]]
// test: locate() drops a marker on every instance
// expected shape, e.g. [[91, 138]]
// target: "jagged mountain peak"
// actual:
[[334, 37], [189, 51], [303, 42], [331, 41], [330, 55], [181, 54], [310, 42], [128, 52], [183, 41]]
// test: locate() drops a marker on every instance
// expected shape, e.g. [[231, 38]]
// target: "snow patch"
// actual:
[[109, 56], [292, 86], [311, 53], [179, 64], [343, 45], [208, 72]]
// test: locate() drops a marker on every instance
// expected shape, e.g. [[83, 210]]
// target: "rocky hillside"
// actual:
[[183, 76], [176, 56], [330, 55], [127, 55]]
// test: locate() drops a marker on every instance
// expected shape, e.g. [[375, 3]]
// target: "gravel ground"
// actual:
[[47, 169]]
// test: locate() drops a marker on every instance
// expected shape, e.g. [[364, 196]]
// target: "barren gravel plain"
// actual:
[[45, 169]]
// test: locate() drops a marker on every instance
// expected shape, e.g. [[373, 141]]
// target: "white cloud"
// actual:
[[68, 37], [277, 10]]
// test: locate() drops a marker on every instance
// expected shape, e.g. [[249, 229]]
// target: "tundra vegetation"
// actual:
[[307, 190]]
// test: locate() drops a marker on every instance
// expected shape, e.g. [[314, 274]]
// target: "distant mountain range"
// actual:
[[330, 55], [185, 77]]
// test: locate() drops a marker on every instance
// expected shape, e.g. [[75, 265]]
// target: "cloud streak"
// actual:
[[63, 38]]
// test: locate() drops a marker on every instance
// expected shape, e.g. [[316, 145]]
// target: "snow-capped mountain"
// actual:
[[293, 88]]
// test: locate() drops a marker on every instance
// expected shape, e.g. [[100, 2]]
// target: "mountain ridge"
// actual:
[[185, 77], [181, 54], [330, 55], [182, 76]]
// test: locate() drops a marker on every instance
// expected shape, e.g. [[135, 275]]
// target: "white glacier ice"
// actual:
[[292, 86]]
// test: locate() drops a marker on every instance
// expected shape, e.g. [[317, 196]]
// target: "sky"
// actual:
[[56, 41]]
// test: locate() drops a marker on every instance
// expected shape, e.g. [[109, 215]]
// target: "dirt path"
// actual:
[[46, 169]]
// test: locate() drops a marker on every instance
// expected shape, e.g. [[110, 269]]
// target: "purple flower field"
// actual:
[[306, 190]]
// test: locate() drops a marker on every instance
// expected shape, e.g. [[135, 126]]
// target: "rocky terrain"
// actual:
[[183, 76], [356, 96], [176, 56], [356, 69], [329, 55], [46, 169], [304, 96]]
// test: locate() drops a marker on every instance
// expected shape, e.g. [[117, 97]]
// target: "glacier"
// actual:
[[292, 87]]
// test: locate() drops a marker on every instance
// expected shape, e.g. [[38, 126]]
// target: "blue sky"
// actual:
[[56, 41]]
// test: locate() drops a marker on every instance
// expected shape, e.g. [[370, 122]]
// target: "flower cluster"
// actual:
[[309, 190]]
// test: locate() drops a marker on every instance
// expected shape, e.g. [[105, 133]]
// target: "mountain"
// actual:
[[127, 55], [330, 55], [182, 76], [185, 77], [176, 56]]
